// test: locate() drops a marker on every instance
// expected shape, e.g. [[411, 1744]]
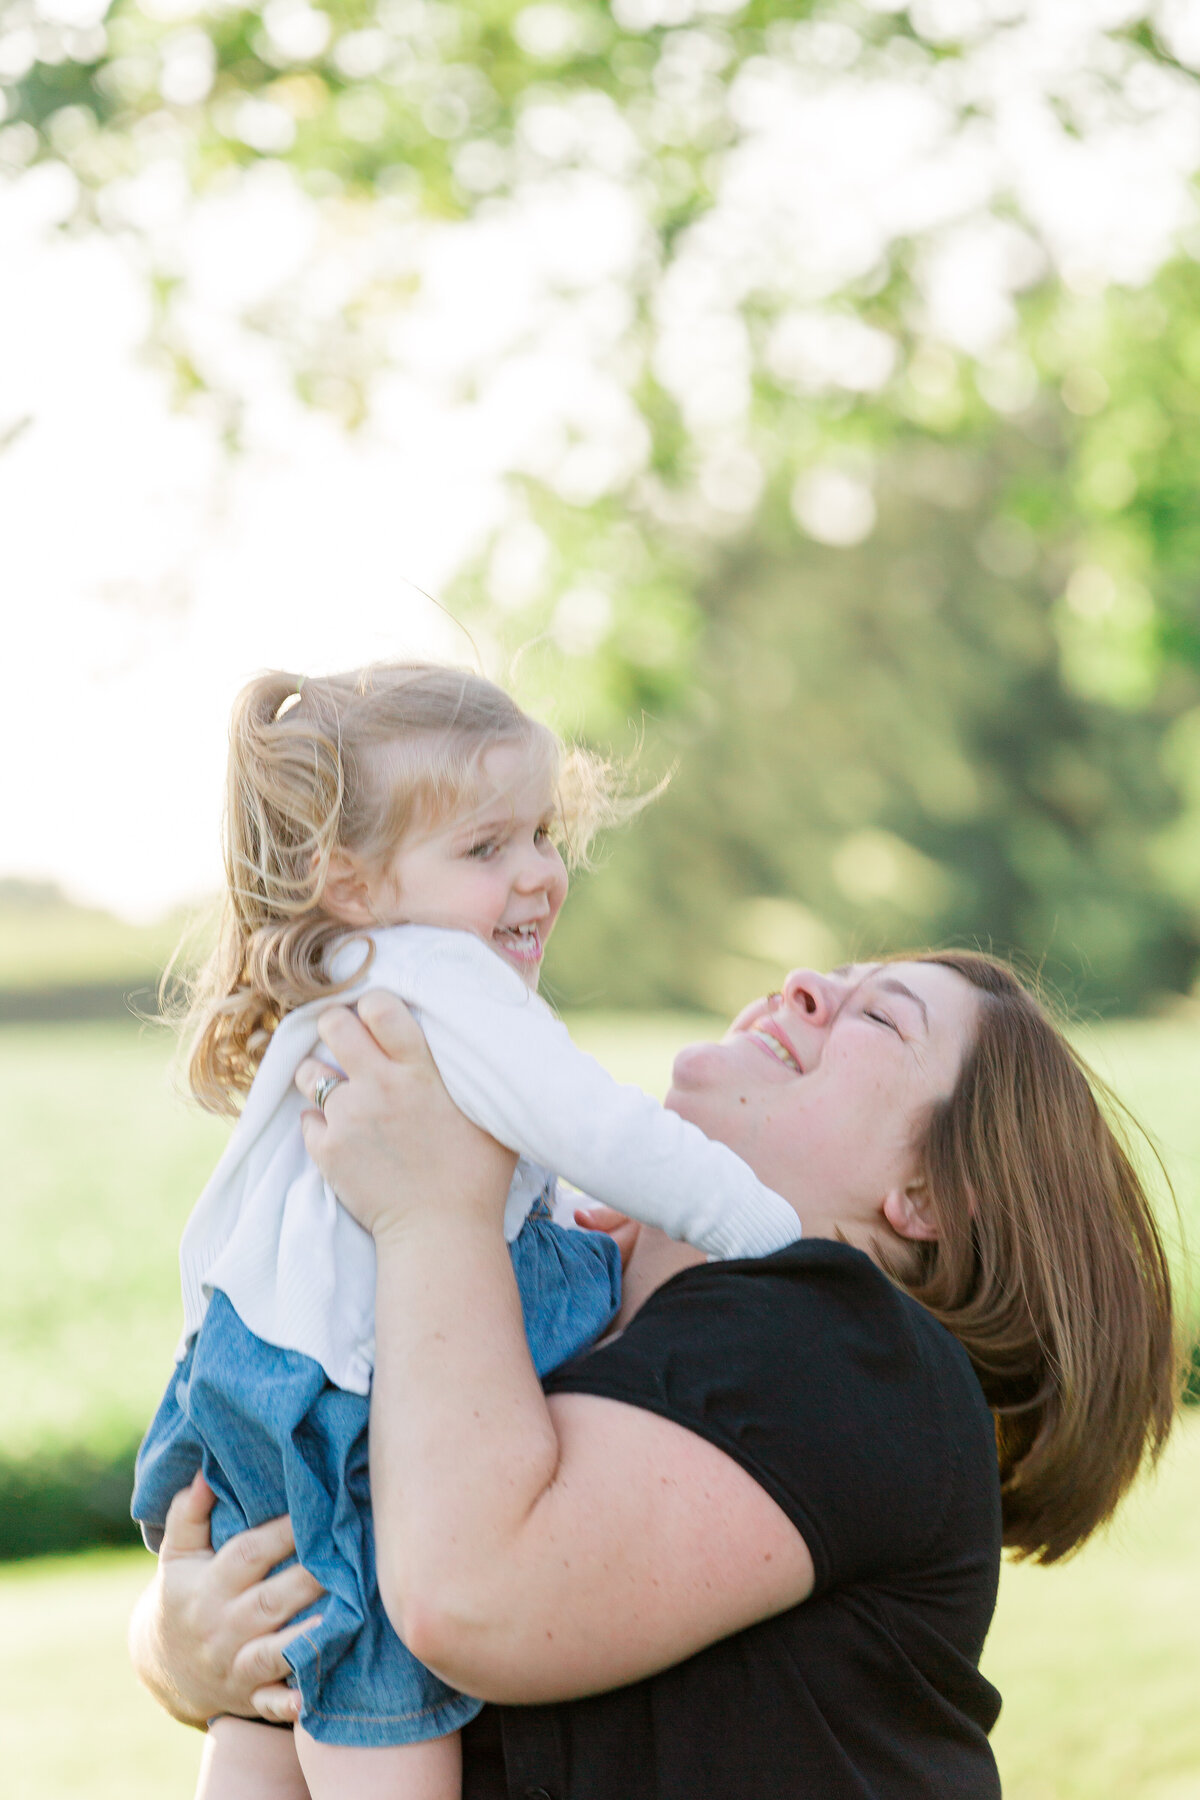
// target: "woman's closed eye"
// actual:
[[882, 1019]]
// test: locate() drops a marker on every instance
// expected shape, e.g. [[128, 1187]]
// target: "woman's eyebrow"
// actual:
[[893, 986]]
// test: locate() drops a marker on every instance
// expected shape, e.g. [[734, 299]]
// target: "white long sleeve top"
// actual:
[[268, 1230]]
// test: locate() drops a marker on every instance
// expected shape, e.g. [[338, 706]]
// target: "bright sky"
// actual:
[[145, 574]]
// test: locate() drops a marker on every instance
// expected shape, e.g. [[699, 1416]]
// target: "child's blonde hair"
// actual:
[[351, 762]]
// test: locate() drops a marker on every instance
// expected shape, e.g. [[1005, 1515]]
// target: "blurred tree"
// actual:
[[881, 748], [867, 473]]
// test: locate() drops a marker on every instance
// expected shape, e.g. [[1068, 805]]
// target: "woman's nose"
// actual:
[[811, 994]]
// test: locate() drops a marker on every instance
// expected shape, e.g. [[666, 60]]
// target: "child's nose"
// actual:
[[535, 870]]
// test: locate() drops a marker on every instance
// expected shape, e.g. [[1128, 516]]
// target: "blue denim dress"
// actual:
[[273, 1435]]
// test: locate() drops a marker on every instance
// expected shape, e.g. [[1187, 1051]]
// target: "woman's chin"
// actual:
[[694, 1064], [699, 1080]]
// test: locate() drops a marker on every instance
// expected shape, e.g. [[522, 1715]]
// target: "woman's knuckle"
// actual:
[[254, 1663], [245, 1551], [266, 1603]]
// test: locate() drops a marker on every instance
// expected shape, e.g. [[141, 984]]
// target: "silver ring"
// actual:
[[324, 1088]]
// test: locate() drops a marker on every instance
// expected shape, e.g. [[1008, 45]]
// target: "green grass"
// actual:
[[1097, 1662], [1098, 1659], [73, 1721], [108, 1161]]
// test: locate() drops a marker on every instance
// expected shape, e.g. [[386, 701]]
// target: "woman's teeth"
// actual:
[[778, 1050]]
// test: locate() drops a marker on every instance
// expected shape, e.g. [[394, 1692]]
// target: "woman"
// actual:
[[761, 1529]]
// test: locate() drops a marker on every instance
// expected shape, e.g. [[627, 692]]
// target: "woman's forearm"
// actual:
[[455, 1396]]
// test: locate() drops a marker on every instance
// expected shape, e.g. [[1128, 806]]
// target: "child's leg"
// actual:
[[427, 1771], [245, 1761]]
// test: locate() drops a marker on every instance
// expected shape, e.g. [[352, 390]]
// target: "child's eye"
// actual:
[[486, 848]]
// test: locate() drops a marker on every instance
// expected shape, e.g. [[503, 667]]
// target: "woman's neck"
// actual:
[[655, 1258]]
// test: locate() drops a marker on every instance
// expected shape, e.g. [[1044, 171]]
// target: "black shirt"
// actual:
[[863, 1420]]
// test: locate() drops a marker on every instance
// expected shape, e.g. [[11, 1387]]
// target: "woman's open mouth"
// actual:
[[775, 1046]]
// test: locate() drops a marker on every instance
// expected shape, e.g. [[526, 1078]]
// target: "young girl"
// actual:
[[393, 827]]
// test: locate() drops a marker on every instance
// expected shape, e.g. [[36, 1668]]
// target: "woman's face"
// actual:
[[824, 1088]]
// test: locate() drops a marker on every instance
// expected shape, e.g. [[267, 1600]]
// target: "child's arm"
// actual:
[[512, 1067]]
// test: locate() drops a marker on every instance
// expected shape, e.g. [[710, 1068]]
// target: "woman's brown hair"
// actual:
[[1049, 1268], [353, 762]]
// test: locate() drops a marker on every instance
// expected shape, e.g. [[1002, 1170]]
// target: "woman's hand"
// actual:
[[208, 1635], [391, 1142]]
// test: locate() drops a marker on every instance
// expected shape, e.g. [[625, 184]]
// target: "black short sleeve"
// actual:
[[846, 1401]]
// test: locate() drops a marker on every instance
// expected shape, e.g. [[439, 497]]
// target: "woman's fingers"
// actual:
[[362, 1042], [278, 1599], [249, 1557], [276, 1702], [391, 1025], [309, 1075], [260, 1661], [187, 1530], [380, 1022]]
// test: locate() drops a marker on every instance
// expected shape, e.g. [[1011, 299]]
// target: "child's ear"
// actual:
[[347, 894], [909, 1212]]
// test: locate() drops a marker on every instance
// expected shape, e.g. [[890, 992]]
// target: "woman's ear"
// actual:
[[348, 893], [910, 1214]]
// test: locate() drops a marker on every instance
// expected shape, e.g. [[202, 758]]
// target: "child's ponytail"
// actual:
[[283, 801], [284, 798]]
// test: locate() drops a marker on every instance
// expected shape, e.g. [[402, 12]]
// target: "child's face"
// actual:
[[494, 871]]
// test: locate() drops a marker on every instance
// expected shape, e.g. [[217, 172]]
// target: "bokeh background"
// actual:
[[799, 399]]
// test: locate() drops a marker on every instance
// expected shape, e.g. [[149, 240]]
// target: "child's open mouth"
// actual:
[[523, 943]]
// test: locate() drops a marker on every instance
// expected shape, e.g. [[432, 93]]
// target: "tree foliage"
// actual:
[[905, 584]]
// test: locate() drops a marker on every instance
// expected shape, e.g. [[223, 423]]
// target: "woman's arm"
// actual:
[[529, 1551], [208, 1634]]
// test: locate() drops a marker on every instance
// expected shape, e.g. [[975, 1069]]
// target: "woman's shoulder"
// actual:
[[823, 1378], [842, 1283]]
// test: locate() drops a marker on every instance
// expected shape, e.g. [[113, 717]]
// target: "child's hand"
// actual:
[[620, 1228]]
